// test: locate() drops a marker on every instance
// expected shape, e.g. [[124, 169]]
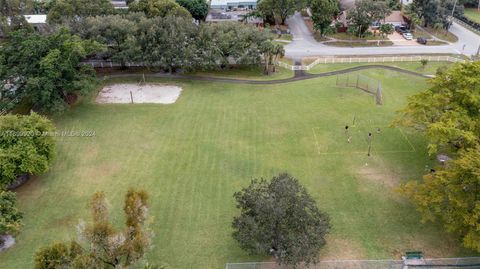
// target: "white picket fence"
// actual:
[[382, 59]]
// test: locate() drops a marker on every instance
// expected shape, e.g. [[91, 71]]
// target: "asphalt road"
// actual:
[[304, 45]]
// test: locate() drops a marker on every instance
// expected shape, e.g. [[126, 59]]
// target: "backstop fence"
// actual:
[[362, 82], [443, 263]]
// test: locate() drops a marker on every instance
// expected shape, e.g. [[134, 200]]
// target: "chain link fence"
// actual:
[[444, 263], [362, 82]]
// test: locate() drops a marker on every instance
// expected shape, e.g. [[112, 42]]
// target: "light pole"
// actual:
[[454, 6]]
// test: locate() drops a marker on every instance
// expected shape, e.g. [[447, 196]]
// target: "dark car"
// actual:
[[401, 29], [422, 40]]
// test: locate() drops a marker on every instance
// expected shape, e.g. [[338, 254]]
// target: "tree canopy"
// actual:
[[10, 217], [11, 15], [279, 9], [448, 114], [323, 12], [198, 8], [101, 245], [365, 12], [173, 43], [61, 11], [26, 146], [45, 70], [161, 8], [279, 218]]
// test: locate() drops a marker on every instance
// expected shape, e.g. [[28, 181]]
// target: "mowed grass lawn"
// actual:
[[473, 14], [193, 155]]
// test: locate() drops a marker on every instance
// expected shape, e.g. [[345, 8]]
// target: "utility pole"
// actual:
[[454, 6]]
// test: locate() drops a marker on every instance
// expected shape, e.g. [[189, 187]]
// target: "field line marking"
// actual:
[[408, 140], [316, 140]]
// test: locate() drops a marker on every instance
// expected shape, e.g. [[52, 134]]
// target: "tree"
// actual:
[[117, 32], [46, 71], [366, 12], [198, 8], [452, 195], [61, 11], [447, 113], [57, 255], [11, 15], [386, 29], [424, 63], [271, 51], [230, 41], [103, 245], [413, 14], [168, 43], [279, 218], [26, 146], [436, 11], [323, 12], [10, 217], [162, 8], [279, 9]]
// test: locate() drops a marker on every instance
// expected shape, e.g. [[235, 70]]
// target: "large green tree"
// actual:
[[118, 32], [323, 12], [198, 8], [11, 14], [280, 10], [231, 41], [452, 195], [161, 8], [101, 244], [61, 11], [449, 112], [10, 217], [279, 218], [366, 12], [45, 70], [26, 146]]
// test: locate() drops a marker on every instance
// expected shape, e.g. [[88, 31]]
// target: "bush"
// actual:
[[26, 146]]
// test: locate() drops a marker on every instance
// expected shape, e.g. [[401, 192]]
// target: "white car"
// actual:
[[408, 36]]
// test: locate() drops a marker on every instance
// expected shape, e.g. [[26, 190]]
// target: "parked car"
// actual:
[[401, 29], [422, 40], [408, 36]]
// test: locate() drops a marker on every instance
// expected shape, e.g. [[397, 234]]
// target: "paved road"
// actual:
[[304, 45]]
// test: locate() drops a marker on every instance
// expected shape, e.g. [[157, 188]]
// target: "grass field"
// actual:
[[430, 68], [473, 14], [246, 72], [193, 155]]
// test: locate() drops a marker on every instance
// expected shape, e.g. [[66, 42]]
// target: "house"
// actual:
[[395, 18], [233, 4], [238, 16], [37, 21], [119, 4]]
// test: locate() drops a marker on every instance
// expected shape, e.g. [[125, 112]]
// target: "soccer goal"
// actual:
[[362, 82]]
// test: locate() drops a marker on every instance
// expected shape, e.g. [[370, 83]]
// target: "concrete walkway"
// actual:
[[298, 76]]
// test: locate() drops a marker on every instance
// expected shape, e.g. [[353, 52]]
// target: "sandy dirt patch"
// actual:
[[148, 93]]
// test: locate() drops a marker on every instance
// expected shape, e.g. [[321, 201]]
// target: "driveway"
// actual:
[[304, 45], [399, 40]]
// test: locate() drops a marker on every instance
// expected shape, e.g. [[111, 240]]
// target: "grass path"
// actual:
[[193, 155]]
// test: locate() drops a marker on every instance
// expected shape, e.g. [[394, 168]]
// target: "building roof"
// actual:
[[232, 2], [36, 19]]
